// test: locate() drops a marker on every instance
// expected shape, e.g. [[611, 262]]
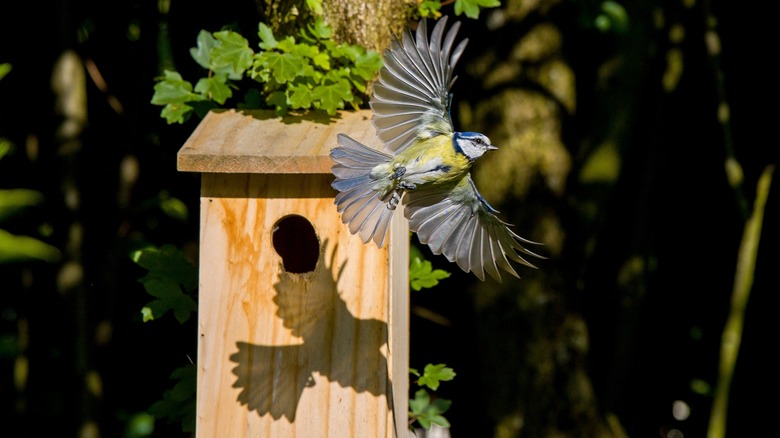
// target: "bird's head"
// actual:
[[472, 144]]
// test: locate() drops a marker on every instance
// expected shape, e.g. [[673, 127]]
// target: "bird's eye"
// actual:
[[478, 141]]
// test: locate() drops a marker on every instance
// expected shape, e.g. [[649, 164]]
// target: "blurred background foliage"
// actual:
[[633, 136]]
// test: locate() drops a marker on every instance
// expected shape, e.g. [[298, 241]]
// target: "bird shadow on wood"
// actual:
[[335, 344]]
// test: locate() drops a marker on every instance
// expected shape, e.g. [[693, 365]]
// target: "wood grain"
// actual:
[[316, 354], [260, 142]]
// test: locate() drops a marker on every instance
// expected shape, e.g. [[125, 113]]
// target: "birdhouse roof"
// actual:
[[259, 141]]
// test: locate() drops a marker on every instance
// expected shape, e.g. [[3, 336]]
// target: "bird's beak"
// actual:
[[490, 147]]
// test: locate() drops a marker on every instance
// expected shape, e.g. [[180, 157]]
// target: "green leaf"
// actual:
[[367, 64], [286, 45], [422, 275], [284, 66], [202, 53], [429, 9], [350, 52], [13, 201], [147, 314], [278, 99], [252, 100], [426, 412], [315, 6], [320, 29], [471, 7], [233, 51], [176, 113], [433, 374], [267, 40], [171, 279], [178, 403], [331, 96], [300, 96], [5, 147], [322, 60], [215, 87], [15, 248], [5, 68], [173, 89]]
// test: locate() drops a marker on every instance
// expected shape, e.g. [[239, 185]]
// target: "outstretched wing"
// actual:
[[460, 224], [411, 98]]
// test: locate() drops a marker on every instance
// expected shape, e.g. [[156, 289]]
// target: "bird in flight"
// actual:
[[426, 166]]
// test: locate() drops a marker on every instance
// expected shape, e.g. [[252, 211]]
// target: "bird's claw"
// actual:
[[399, 171]]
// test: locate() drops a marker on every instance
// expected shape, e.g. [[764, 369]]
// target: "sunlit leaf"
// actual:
[[5, 68], [423, 276], [176, 113], [267, 40], [173, 89], [202, 53], [300, 96], [15, 248], [233, 50], [215, 87], [12, 201], [433, 374], [284, 66], [471, 7]]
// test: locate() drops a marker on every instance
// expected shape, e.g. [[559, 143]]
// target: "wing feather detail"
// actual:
[[410, 100], [458, 223]]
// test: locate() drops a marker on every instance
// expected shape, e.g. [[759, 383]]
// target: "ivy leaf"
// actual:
[[350, 52], [331, 96], [267, 40], [315, 6], [173, 89], [202, 53], [278, 99], [429, 9], [215, 87], [300, 95], [171, 280], [176, 113], [422, 275], [178, 403], [427, 412], [321, 60], [233, 51], [471, 7], [367, 64], [284, 66], [319, 29], [252, 100], [433, 374]]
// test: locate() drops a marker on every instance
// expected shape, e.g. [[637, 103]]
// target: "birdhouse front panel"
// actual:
[[300, 331]]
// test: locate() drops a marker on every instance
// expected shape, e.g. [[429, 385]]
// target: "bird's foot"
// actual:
[[406, 185], [394, 200], [399, 171]]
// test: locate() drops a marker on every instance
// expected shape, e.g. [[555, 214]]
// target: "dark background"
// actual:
[[671, 205]]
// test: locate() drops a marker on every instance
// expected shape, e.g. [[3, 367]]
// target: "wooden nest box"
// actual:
[[302, 329]]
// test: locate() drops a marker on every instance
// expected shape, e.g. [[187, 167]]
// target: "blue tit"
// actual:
[[426, 166]]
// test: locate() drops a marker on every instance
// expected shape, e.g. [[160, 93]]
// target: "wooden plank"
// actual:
[[260, 142], [297, 355]]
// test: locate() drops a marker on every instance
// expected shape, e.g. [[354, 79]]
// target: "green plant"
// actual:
[[423, 409], [312, 72], [14, 202]]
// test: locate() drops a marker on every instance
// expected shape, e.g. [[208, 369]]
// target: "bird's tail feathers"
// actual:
[[362, 201]]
